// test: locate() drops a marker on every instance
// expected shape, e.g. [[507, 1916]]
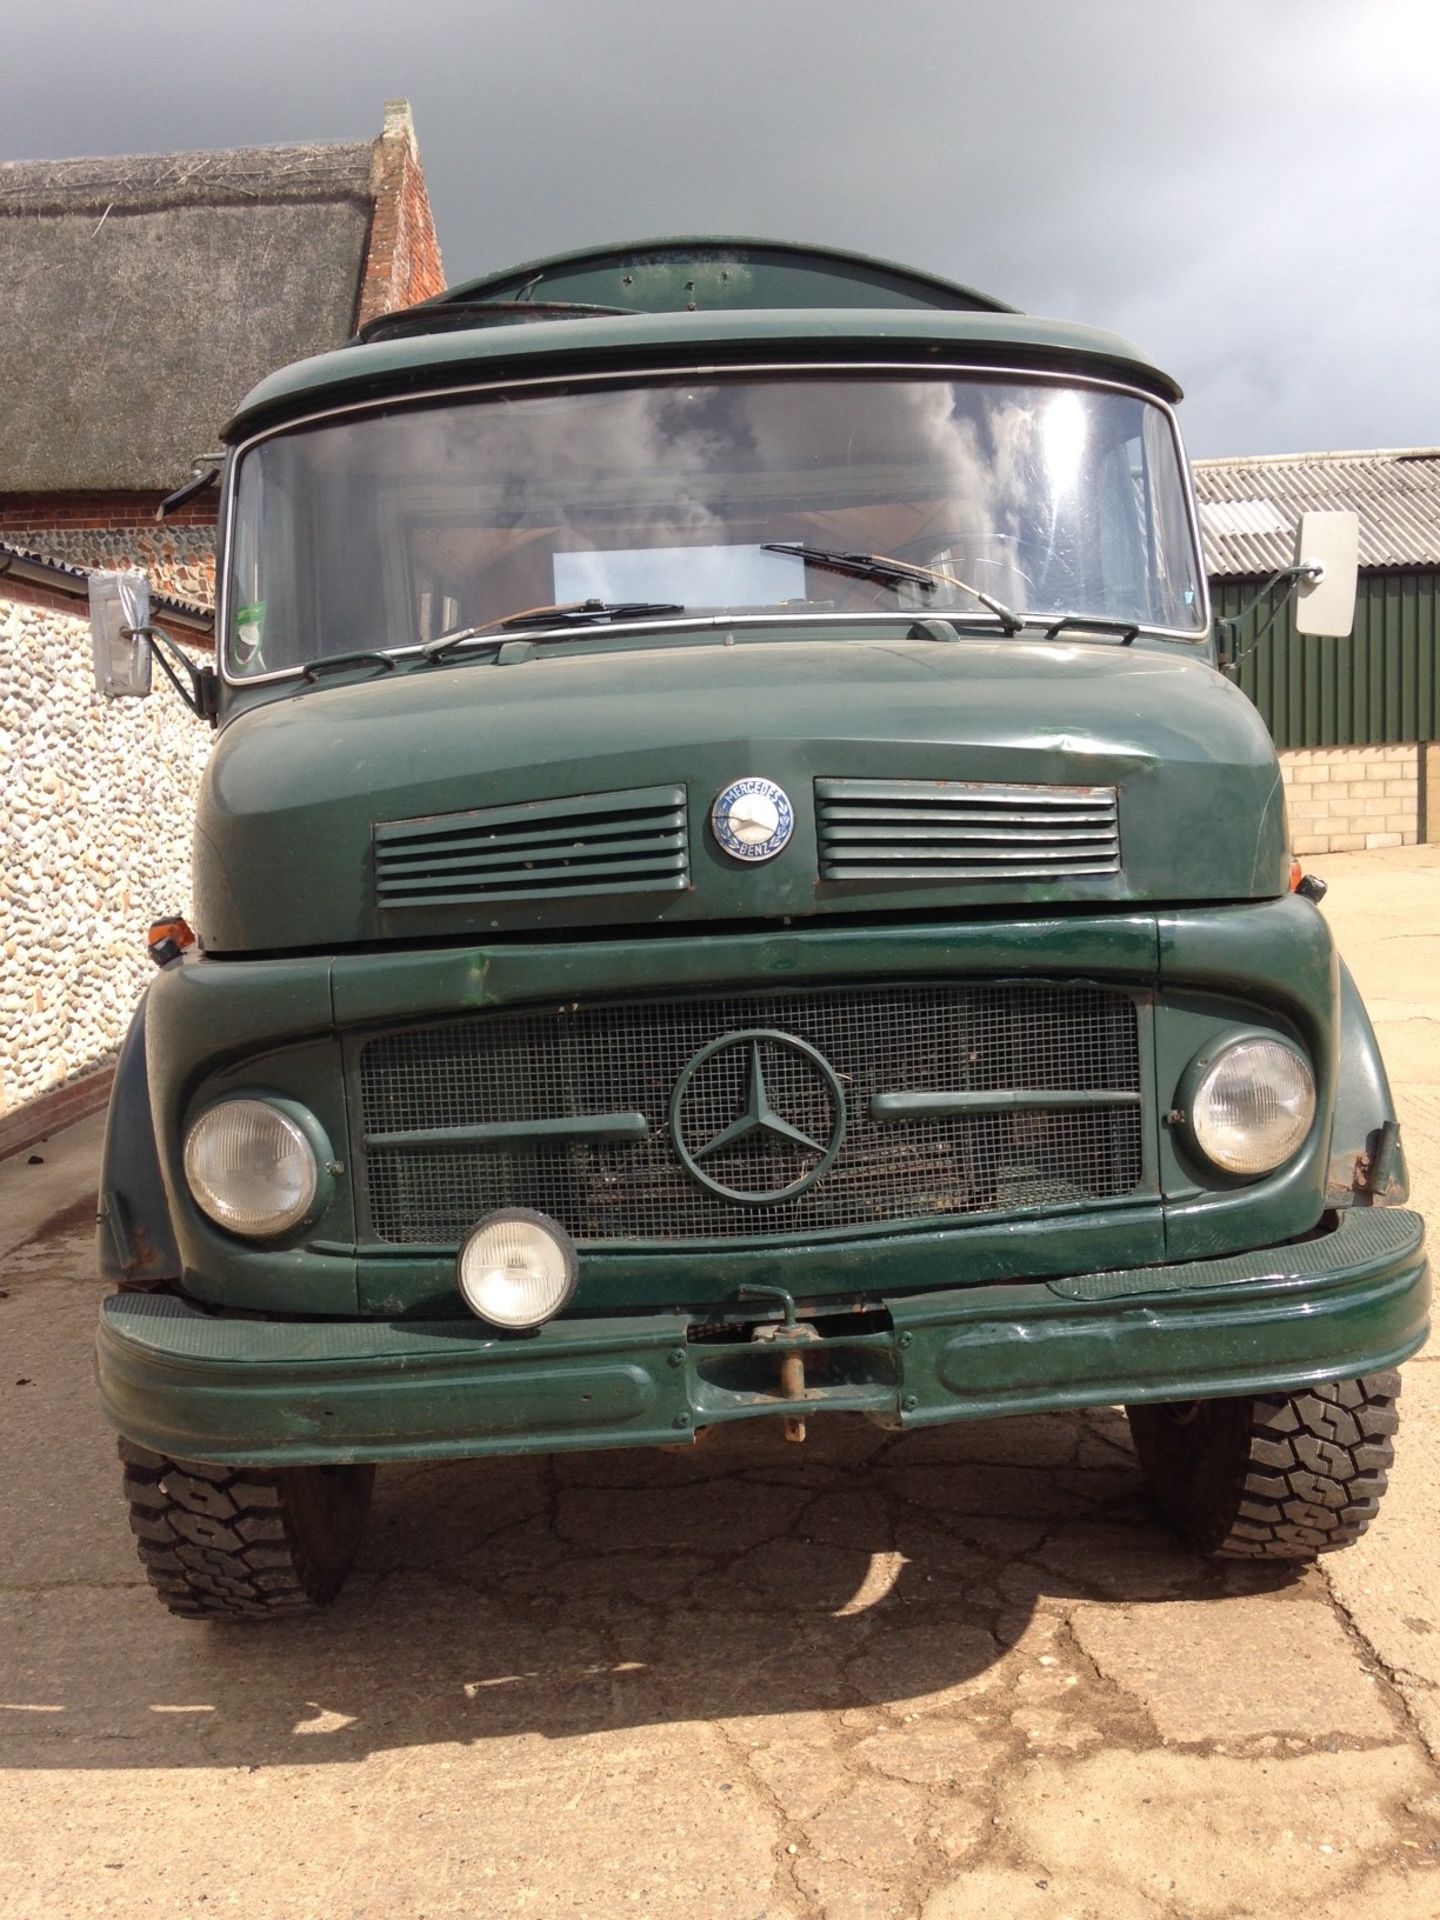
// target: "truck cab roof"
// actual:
[[653, 304], [688, 274]]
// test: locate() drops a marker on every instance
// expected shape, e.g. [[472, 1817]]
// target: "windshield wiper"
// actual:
[[585, 613], [886, 572], [573, 613], [863, 566]]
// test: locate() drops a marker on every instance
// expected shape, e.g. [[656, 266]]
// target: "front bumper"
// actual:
[[200, 1385]]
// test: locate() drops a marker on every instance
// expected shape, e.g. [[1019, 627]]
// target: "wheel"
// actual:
[[1280, 1476], [243, 1543]]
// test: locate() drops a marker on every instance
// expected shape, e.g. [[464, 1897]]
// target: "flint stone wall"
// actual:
[[178, 560], [97, 800]]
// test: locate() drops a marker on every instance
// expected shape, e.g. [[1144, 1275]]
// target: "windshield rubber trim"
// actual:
[[1190, 636]]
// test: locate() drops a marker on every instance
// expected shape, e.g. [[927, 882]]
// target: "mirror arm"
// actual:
[[195, 485], [197, 690], [1290, 578]]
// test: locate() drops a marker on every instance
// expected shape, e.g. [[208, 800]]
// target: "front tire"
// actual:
[[1274, 1476], [243, 1543]]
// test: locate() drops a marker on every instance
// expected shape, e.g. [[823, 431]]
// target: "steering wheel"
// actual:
[[922, 551]]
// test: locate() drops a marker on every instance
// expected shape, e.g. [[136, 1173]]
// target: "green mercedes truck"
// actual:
[[731, 884]]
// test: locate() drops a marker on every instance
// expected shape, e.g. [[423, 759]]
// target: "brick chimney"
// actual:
[[402, 263]]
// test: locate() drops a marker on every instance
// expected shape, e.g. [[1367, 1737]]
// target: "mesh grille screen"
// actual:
[[627, 1057]]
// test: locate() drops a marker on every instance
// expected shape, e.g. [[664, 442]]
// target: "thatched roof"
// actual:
[[143, 296]]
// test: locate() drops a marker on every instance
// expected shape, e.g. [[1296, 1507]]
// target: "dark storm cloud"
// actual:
[[1247, 187]]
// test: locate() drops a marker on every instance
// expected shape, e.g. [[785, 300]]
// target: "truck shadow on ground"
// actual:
[[597, 1592]]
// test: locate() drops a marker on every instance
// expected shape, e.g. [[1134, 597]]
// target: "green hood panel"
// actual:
[[297, 786]]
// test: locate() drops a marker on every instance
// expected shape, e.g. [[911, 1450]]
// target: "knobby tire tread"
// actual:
[[242, 1543], [1280, 1476]]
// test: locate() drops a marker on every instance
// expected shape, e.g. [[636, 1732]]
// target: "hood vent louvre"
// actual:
[[631, 842], [964, 830]]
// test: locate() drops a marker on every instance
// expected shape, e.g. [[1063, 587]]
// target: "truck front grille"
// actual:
[[957, 1100]]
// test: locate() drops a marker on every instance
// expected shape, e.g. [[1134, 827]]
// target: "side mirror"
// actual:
[[1327, 550], [120, 604]]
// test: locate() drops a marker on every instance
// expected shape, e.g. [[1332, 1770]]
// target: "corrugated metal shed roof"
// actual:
[[1249, 509]]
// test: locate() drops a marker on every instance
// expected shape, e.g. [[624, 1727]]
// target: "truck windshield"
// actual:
[[385, 529]]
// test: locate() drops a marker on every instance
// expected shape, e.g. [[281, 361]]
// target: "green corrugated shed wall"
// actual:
[[1380, 687]]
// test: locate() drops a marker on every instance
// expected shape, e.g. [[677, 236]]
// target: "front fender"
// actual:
[[1367, 1162], [136, 1244]]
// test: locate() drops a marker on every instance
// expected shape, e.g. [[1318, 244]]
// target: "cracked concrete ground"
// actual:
[[958, 1675]]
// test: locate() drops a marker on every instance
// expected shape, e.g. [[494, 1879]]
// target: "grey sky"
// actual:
[[1249, 188]]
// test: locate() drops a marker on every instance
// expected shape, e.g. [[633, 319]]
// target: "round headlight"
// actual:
[[1253, 1107], [251, 1168], [517, 1269]]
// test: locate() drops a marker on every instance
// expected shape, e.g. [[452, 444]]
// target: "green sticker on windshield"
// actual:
[[250, 634]]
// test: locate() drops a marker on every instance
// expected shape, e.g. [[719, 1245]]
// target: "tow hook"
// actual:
[[791, 1336]]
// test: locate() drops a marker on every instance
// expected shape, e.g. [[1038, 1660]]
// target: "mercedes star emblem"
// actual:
[[761, 1104]]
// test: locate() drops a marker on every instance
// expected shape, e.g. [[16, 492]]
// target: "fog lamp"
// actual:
[[1253, 1106], [517, 1269], [251, 1167]]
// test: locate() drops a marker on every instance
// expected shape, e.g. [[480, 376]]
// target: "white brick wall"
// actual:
[[1342, 798]]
